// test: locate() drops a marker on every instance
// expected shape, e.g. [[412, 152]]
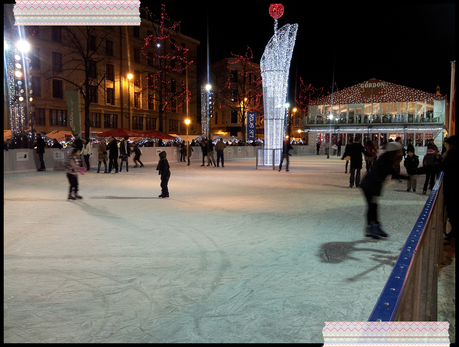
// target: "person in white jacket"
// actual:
[[86, 152]]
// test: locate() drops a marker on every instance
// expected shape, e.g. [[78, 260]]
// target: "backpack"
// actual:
[[429, 159]]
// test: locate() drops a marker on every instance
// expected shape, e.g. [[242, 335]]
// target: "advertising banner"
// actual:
[[251, 119], [73, 110]]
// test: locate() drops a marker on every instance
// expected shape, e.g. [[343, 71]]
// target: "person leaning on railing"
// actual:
[[450, 166]]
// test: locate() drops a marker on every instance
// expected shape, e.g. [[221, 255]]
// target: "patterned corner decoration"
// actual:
[[385, 334], [77, 12]]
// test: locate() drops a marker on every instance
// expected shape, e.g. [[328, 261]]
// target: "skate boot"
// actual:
[[370, 231], [71, 197], [379, 231], [78, 196]]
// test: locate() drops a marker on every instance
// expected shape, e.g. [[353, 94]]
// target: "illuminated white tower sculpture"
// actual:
[[275, 65]]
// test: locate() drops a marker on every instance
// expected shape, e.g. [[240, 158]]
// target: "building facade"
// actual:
[[378, 111], [236, 84], [119, 70]]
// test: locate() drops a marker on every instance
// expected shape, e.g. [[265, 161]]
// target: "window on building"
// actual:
[[111, 96], [411, 112], [110, 120], [430, 110], [393, 108], [233, 76], [151, 80], [150, 123], [110, 72], [57, 89], [136, 31], [109, 47], [92, 69], [173, 105], [56, 34], [172, 43], [58, 117], [92, 42], [151, 102], [150, 59], [57, 62], [137, 78], [233, 95], [233, 116], [137, 123], [40, 116], [173, 125], [173, 86], [93, 94], [137, 55], [36, 61], [137, 99], [36, 86], [95, 120]]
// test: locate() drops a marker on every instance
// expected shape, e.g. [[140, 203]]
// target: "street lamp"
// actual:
[[32, 120], [129, 76], [187, 122]]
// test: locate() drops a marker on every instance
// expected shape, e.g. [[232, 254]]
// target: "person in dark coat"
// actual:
[[137, 154], [369, 160], [182, 152], [411, 164], [286, 147], [339, 148], [40, 145], [113, 154], [56, 144], [355, 151], [165, 173], [78, 143], [318, 147], [429, 161], [125, 153], [204, 148], [372, 185], [450, 166], [346, 156]]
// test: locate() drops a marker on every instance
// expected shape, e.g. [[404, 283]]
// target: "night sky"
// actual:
[[411, 45]]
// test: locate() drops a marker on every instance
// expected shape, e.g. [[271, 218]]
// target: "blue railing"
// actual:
[[410, 293]]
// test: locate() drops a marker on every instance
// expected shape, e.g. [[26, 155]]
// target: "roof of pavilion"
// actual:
[[374, 90]]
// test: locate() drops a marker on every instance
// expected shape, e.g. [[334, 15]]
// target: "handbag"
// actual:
[[348, 157]]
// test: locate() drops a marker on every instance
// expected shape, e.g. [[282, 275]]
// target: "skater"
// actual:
[[220, 147], [369, 160], [285, 154], [318, 147], [182, 152], [56, 144], [397, 167], [189, 151], [372, 186], [86, 152], [102, 155], [355, 151], [40, 146], [73, 167], [429, 161], [113, 155], [411, 164], [137, 154], [125, 153], [77, 143], [450, 166], [346, 156], [339, 148], [210, 154], [204, 149], [165, 173]]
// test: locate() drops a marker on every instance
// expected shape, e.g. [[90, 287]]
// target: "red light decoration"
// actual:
[[276, 10]]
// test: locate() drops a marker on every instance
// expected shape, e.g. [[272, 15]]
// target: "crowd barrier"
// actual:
[[410, 293], [26, 160]]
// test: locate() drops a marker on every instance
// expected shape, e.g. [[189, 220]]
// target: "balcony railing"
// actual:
[[376, 119]]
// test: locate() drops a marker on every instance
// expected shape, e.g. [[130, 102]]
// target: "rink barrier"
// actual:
[[410, 293], [26, 160]]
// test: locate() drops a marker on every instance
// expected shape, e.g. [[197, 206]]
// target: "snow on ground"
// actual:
[[234, 255]]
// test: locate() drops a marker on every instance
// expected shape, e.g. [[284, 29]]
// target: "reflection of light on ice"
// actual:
[[274, 65]]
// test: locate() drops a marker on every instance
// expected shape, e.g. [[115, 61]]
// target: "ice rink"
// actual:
[[234, 255]]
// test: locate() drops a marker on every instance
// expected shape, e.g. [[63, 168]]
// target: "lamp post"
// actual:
[[32, 119], [187, 122], [129, 76], [208, 88]]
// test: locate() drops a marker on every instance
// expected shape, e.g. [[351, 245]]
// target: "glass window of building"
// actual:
[[409, 138], [374, 139], [429, 110], [342, 113], [420, 110], [336, 110], [382, 139], [350, 138], [411, 112], [419, 140], [351, 115], [427, 138], [376, 108], [385, 112], [358, 115]]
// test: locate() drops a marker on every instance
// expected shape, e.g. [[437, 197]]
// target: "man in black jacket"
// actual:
[[113, 155], [165, 173], [411, 164], [355, 150], [285, 154], [125, 153], [40, 145]]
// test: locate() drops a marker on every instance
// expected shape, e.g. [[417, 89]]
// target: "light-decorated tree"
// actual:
[[307, 94], [240, 87], [167, 86]]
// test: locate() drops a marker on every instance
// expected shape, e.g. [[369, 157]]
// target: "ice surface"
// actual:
[[234, 255]]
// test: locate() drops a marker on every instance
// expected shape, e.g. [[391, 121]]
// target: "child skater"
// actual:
[[73, 167], [137, 155], [163, 170]]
